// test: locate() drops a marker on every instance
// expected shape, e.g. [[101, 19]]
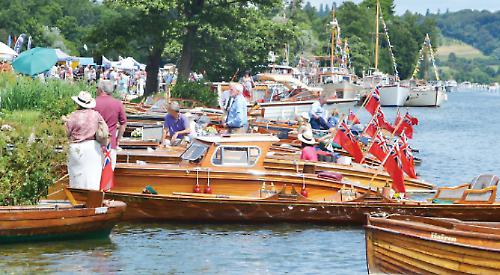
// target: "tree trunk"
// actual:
[[152, 69], [187, 55]]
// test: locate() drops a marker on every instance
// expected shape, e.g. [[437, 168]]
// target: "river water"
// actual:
[[457, 142]]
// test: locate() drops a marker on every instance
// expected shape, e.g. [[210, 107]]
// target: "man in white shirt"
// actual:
[[316, 112]]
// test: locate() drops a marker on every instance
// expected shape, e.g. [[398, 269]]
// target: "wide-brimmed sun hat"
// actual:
[[305, 115], [307, 138], [85, 100]]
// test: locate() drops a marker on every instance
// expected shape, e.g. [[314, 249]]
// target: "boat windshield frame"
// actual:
[[248, 163], [195, 152]]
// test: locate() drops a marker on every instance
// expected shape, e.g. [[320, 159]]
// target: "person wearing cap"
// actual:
[[113, 112], [85, 154], [308, 151], [176, 123], [248, 85], [236, 120]]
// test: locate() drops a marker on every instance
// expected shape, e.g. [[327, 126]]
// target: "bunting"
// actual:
[[393, 57], [427, 42]]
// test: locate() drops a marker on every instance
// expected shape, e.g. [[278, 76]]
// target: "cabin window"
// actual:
[[195, 152], [236, 156]]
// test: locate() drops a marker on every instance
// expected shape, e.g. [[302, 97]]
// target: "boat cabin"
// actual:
[[229, 151]]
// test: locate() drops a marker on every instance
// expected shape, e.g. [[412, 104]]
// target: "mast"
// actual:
[[333, 39], [376, 34]]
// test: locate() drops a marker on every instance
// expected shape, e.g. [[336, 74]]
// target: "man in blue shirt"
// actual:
[[317, 112], [237, 111], [176, 123]]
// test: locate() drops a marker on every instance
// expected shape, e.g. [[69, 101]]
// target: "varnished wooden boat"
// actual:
[[422, 245], [280, 161], [57, 222], [243, 190]]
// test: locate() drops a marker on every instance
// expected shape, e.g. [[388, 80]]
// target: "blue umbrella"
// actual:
[[35, 61]]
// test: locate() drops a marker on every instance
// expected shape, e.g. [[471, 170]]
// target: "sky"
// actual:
[[421, 6]]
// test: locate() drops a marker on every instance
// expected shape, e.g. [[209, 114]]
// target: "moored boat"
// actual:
[[423, 245], [59, 221], [426, 97], [223, 178]]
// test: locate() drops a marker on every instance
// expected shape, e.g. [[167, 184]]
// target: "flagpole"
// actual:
[[368, 125], [360, 108], [386, 157], [336, 129], [369, 146]]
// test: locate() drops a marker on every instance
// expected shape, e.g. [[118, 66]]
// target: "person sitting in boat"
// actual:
[[176, 123], [334, 118], [317, 114], [308, 151], [236, 120], [304, 125], [85, 154]]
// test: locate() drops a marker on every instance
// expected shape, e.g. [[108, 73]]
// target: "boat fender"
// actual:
[[197, 189], [303, 192]]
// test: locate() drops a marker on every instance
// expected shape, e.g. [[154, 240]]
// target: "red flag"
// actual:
[[352, 117], [372, 127], [379, 147], [394, 167], [406, 157], [398, 118], [107, 176], [346, 139], [373, 102], [383, 122], [407, 124]]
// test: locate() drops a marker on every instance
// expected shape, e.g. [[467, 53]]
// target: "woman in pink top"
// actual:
[[308, 151], [85, 154]]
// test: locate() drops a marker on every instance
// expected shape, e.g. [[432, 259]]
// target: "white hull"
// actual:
[[395, 96], [345, 90], [289, 110], [426, 98]]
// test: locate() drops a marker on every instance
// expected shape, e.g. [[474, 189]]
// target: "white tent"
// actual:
[[128, 64], [64, 56], [6, 52]]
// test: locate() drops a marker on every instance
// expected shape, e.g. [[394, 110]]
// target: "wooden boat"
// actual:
[[421, 245], [60, 221], [280, 161], [241, 189]]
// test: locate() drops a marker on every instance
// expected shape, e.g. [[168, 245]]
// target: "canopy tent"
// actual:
[[84, 61], [6, 52], [64, 56], [129, 64], [106, 63]]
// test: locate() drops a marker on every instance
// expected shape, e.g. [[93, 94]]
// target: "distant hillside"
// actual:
[[480, 29], [461, 49]]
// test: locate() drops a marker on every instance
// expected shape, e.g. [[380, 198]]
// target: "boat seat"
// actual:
[[452, 194]]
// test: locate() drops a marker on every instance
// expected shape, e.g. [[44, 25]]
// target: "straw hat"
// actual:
[[85, 100], [305, 115], [307, 138]]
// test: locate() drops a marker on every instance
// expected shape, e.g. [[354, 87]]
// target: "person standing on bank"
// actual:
[[111, 109], [317, 114], [236, 120], [85, 154], [176, 123], [248, 85]]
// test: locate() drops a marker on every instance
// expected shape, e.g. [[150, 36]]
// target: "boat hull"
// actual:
[[393, 96], [415, 249], [426, 98], [145, 207], [27, 224], [344, 89]]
